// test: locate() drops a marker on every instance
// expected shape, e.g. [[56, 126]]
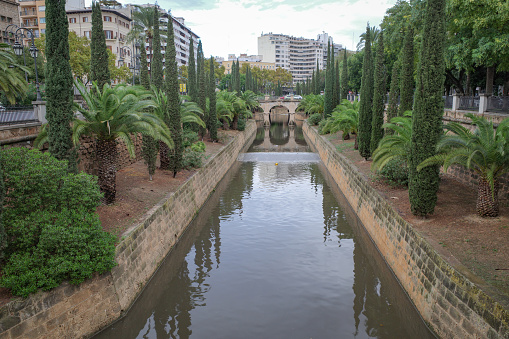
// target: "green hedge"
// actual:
[[53, 233]]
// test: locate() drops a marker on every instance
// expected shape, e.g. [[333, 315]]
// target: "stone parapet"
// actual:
[[70, 311], [451, 304]]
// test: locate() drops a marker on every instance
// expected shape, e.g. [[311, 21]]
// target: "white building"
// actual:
[[297, 55]]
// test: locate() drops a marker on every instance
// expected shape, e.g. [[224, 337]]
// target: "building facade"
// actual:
[[260, 64], [9, 14], [297, 55]]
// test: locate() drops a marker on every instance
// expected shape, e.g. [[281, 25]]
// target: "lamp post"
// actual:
[[18, 50], [121, 59]]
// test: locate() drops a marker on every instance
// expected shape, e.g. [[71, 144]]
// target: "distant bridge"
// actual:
[[280, 107]]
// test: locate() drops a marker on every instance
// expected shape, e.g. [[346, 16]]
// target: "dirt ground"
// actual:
[[455, 230], [464, 239]]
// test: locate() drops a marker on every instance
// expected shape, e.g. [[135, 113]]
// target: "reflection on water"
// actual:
[[279, 137], [273, 255]]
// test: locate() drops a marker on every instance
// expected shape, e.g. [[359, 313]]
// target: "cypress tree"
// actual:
[[3, 240], [392, 109], [407, 73], [237, 78], [156, 67], [428, 110], [99, 70], [377, 132], [317, 79], [172, 118], [212, 117], [337, 86], [312, 84], [191, 72], [365, 106], [344, 78], [327, 104], [149, 147], [59, 84], [297, 89], [202, 90]]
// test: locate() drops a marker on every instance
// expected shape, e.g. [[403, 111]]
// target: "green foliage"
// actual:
[[392, 109], [54, 233], [407, 73], [485, 151], [212, 116], [428, 110], [156, 66], [345, 118], [192, 159], [241, 125], [198, 146], [99, 70], [12, 82], [365, 109], [394, 173], [144, 78], [192, 89], [189, 137], [149, 150], [314, 119], [311, 104], [2, 229], [329, 84], [379, 91]]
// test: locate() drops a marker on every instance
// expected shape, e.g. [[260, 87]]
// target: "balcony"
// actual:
[[28, 12]]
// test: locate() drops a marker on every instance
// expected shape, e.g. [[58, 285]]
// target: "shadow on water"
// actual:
[[276, 252]]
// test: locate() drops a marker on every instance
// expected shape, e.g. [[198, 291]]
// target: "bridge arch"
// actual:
[[268, 107]]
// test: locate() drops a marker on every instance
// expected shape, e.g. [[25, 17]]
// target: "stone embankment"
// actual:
[[79, 311], [451, 305]]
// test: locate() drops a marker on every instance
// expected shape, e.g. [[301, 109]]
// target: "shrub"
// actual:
[[188, 137], [241, 124], [394, 173], [192, 159], [314, 119], [322, 127], [52, 230], [198, 146]]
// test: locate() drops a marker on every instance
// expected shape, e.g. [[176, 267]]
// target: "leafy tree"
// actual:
[[115, 113], [428, 110], [150, 146], [142, 26], [337, 86], [12, 82], [59, 89], [377, 121], [392, 109], [365, 109], [407, 73], [173, 117], [156, 66], [316, 80], [311, 104], [344, 78], [485, 151], [355, 62], [99, 70], [370, 37], [345, 118]]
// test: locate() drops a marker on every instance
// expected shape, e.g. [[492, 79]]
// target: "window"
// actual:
[[108, 34], [42, 20], [72, 20], [9, 20], [88, 34], [42, 8], [3, 18], [107, 18], [43, 31], [85, 19]]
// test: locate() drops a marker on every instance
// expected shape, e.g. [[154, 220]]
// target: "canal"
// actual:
[[276, 252]]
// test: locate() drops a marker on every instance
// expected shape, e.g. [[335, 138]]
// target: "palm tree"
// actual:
[[374, 33], [115, 113], [484, 151], [237, 106], [190, 112], [11, 80], [224, 110], [345, 118], [251, 100], [311, 103], [395, 146]]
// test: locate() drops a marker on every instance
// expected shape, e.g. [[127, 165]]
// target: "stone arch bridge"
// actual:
[[280, 107]]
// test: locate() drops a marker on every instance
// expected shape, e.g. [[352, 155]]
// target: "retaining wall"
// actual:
[[452, 305], [79, 311]]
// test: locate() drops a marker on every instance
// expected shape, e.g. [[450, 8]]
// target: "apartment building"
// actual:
[[116, 25], [251, 60], [297, 55], [8, 15]]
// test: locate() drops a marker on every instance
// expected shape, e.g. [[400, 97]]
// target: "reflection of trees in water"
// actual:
[[299, 135], [334, 220], [279, 133], [260, 136]]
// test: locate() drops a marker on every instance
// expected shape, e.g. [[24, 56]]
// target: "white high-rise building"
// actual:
[[297, 55]]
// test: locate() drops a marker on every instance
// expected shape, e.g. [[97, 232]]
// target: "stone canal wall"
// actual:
[[79, 311], [450, 304]]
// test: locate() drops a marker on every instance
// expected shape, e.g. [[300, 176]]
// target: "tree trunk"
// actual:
[[490, 74], [235, 122], [467, 85], [164, 156], [487, 201], [107, 156], [356, 144]]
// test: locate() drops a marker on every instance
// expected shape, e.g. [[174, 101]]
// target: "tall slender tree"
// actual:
[[202, 85], [337, 85], [344, 78], [237, 78], [377, 132], [3, 240], [407, 73], [144, 76], [317, 79], [99, 70], [156, 66], [428, 110], [173, 119], [192, 90], [392, 109], [59, 84], [365, 109], [329, 87], [212, 117]]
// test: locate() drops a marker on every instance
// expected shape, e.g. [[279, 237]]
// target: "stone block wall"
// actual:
[[79, 311], [452, 305]]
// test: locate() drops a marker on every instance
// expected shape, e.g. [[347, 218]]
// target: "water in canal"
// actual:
[[275, 253]]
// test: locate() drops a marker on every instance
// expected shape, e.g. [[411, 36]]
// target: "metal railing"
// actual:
[[498, 104], [448, 101], [469, 103], [17, 115]]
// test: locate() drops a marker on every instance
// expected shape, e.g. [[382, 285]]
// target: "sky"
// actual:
[[233, 26]]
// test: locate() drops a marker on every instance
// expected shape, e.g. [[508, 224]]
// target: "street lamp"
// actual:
[[18, 50]]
